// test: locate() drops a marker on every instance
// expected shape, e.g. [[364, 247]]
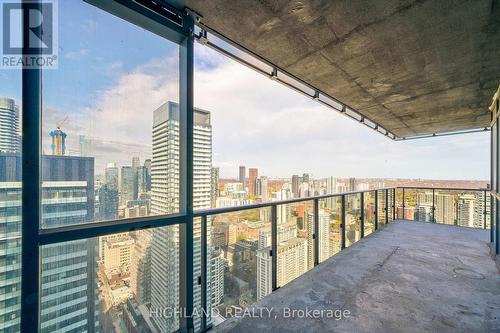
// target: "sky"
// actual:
[[113, 75]]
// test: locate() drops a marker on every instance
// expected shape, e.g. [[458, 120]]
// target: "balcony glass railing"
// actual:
[[461, 207]]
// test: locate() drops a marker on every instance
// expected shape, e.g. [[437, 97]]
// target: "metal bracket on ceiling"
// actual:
[[203, 37], [274, 74], [197, 17]]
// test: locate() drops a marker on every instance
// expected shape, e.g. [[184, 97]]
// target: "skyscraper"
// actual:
[[214, 186], [352, 185], [140, 270], [147, 165], [253, 173], [295, 185], [63, 265], [165, 200], [331, 188], [466, 208], [243, 175], [261, 188], [127, 182], [9, 126]]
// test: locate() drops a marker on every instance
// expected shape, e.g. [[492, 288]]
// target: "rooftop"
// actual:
[[411, 276]]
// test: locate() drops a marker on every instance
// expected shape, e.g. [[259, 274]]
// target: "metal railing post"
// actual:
[[343, 222], [492, 217], [362, 221], [484, 209], [203, 278], [316, 232], [386, 206], [403, 217], [433, 206], [274, 246], [376, 210], [393, 204]]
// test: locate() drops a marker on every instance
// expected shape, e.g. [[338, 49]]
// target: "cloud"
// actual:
[[76, 55]]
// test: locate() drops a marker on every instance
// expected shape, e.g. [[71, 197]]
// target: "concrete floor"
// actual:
[[408, 277]]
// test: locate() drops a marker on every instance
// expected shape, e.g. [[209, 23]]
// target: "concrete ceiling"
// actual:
[[414, 66]]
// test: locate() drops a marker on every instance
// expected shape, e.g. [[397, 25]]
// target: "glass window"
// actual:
[[352, 219], [329, 227], [110, 121], [369, 213], [382, 208], [10, 199], [112, 282], [295, 224], [239, 261]]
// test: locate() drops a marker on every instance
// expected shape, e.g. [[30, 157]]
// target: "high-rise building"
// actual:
[[142, 180], [108, 202], [127, 185], [261, 189], [117, 254], [217, 267], [140, 269], [352, 185], [214, 186], [9, 126], [147, 165], [445, 208], [165, 200], [331, 188], [111, 176], [305, 178], [253, 173], [64, 265], [242, 175], [295, 185], [466, 209], [324, 251]]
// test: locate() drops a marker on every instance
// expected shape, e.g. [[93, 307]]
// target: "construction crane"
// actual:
[[59, 124]]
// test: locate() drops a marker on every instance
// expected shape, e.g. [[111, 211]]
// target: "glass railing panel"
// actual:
[[390, 205], [459, 207], [399, 203], [107, 283], [420, 204], [329, 227], [381, 208], [369, 212], [239, 261], [352, 219], [295, 225]]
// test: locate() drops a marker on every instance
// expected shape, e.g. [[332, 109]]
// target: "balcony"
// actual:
[[409, 276], [94, 240]]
